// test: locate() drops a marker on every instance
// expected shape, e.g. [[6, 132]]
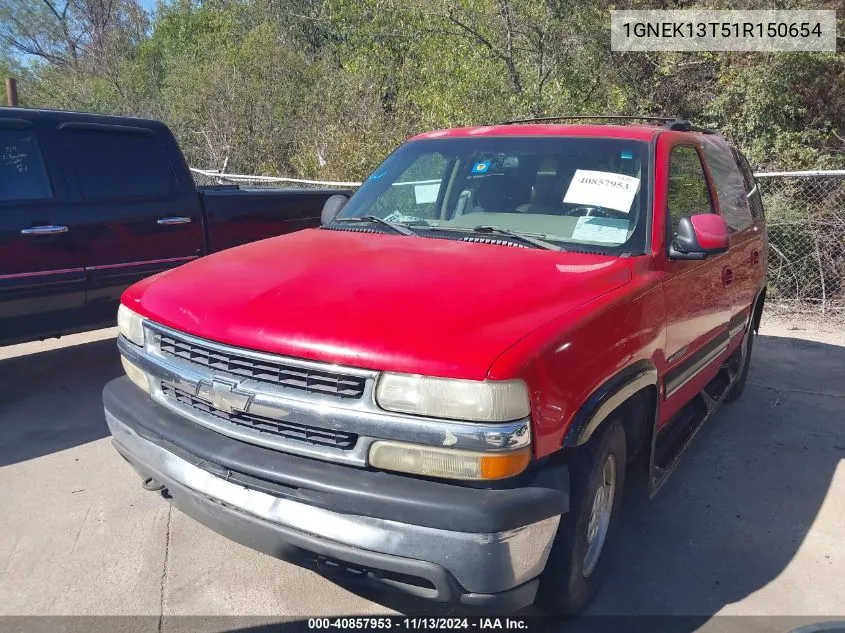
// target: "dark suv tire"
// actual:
[[576, 562]]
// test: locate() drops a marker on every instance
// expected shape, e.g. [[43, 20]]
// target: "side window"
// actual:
[[730, 184], [754, 199], [414, 194], [688, 191], [113, 164], [23, 175]]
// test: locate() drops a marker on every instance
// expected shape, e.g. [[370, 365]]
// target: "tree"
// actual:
[[326, 88]]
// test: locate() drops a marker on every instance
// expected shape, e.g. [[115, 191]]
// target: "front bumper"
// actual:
[[310, 522]]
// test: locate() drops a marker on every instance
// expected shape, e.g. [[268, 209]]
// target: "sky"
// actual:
[[148, 5]]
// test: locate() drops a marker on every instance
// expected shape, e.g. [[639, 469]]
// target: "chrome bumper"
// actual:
[[484, 563]]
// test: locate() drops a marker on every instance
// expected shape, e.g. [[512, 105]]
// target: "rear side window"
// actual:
[[688, 191], [111, 164], [730, 184], [754, 199], [22, 172]]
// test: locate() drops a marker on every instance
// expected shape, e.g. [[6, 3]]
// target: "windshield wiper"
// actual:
[[519, 236], [396, 227]]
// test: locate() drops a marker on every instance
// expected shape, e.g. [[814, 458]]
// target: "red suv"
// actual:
[[438, 391]]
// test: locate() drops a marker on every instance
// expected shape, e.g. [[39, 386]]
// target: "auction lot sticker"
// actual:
[[602, 189]]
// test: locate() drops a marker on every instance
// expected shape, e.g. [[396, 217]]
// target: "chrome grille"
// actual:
[[269, 371], [279, 428]]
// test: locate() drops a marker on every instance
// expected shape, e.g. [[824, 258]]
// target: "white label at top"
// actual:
[[602, 189], [789, 30]]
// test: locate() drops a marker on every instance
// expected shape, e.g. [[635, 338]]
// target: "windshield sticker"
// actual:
[[426, 193], [626, 155], [603, 189], [398, 216], [611, 230], [481, 167]]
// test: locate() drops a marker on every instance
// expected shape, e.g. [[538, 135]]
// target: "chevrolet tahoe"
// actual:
[[438, 390]]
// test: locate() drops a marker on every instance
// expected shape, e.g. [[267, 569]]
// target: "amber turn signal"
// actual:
[[505, 464], [450, 463]]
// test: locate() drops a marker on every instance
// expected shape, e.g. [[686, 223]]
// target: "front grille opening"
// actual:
[[274, 372], [405, 579], [277, 428], [358, 572]]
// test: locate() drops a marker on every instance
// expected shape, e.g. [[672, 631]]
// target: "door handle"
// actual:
[[49, 229], [755, 258], [174, 220], [727, 276]]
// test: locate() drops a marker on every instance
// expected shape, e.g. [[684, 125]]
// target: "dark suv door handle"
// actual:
[[49, 229], [727, 276], [173, 220]]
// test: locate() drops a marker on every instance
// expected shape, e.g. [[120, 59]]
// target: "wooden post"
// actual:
[[11, 92]]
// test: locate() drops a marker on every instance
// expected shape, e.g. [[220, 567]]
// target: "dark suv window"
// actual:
[[754, 200], [688, 191], [730, 185], [118, 164], [22, 172]]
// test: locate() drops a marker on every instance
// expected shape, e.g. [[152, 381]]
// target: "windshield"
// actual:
[[588, 192]]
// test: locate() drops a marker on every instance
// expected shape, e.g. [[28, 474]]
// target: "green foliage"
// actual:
[[326, 88], [784, 109]]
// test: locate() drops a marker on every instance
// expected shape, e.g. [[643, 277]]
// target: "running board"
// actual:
[[671, 442]]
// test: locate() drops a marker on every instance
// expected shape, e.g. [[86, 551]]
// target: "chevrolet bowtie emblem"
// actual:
[[224, 395]]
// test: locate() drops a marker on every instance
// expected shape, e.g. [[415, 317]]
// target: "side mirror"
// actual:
[[699, 236], [332, 207]]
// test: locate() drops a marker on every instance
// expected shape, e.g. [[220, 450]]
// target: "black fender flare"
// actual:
[[607, 398], [757, 309]]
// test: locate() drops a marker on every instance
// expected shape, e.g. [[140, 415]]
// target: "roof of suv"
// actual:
[[31, 114], [632, 132]]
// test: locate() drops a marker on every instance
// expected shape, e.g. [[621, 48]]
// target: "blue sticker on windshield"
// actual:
[[378, 176], [626, 155], [481, 167]]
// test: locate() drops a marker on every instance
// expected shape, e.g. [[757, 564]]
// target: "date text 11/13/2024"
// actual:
[[419, 623]]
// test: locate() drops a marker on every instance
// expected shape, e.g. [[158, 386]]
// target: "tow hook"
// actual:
[[151, 484]]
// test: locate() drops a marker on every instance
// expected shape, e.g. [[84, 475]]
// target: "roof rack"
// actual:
[[681, 125], [669, 122], [602, 117]]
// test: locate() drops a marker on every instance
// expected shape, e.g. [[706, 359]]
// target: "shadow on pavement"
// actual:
[[733, 515], [51, 400], [740, 505], [728, 522]]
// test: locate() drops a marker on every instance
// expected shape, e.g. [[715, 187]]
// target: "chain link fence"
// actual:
[[805, 213], [209, 178]]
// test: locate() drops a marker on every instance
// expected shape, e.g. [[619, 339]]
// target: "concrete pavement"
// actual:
[[750, 523]]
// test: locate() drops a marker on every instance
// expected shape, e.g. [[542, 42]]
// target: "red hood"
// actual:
[[430, 306]]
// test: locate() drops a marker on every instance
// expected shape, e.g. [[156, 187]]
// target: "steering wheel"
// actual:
[[594, 212]]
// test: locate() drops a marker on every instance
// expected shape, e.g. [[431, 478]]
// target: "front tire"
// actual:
[[577, 561], [745, 359]]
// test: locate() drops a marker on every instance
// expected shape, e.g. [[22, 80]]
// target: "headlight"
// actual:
[[130, 325], [483, 401], [136, 375], [447, 462]]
